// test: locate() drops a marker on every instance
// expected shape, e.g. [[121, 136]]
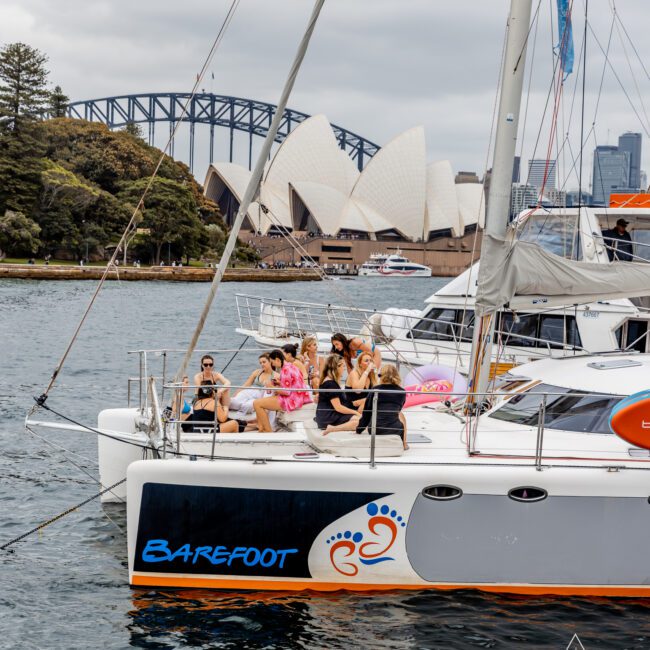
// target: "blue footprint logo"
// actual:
[[343, 546]]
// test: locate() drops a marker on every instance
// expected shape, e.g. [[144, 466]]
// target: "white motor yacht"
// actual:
[[393, 265], [442, 331]]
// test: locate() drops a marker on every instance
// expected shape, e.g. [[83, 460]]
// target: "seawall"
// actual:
[[162, 273]]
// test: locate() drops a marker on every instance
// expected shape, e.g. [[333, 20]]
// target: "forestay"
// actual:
[[523, 275]]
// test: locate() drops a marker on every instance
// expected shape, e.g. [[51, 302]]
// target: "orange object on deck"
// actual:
[[630, 419], [638, 200]]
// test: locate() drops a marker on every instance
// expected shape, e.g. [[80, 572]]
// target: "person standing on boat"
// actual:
[[619, 242], [288, 377], [390, 402], [208, 373], [332, 413], [350, 349]]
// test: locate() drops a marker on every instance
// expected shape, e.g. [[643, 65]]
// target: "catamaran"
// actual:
[[515, 485]]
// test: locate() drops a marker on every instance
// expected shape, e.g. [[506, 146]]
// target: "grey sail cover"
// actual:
[[523, 275]]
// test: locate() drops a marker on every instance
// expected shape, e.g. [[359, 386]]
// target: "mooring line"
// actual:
[[61, 515]]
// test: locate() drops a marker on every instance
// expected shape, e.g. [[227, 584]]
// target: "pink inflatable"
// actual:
[[436, 382]]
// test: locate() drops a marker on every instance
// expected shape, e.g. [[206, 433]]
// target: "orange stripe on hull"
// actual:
[[297, 585]]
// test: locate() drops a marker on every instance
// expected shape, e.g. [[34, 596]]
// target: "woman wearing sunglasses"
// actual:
[[208, 373]]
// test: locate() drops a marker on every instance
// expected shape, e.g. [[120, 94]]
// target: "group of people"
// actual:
[[287, 379]]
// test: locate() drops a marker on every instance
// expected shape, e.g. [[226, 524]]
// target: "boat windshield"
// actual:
[[556, 233], [578, 411]]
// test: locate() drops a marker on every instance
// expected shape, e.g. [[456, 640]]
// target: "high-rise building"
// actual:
[[644, 182], [573, 198], [630, 143], [537, 168], [611, 170], [523, 196]]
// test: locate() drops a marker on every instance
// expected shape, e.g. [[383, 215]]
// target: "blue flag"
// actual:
[[565, 32]]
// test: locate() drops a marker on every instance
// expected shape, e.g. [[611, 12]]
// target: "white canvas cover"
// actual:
[[522, 274]]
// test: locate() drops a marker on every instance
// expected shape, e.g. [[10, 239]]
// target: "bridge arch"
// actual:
[[234, 113]]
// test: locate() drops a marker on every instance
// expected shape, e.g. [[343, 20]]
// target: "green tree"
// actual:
[[58, 102], [170, 216], [74, 214], [23, 79], [134, 129], [216, 238], [93, 151], [18, 234], [21, 165]]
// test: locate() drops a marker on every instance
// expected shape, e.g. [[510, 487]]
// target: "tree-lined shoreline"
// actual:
[[68, 187]]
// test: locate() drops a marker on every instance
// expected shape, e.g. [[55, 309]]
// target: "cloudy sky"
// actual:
[[376, 67]]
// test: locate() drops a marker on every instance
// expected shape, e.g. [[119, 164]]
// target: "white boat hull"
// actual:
[[311, 525], [394, 273]]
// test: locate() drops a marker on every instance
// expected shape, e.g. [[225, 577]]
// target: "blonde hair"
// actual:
[[371, 375], [306, 342], [390, 375], [331, 368]]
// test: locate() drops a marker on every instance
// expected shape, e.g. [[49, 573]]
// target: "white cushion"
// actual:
[[351, 444], [303, 414]]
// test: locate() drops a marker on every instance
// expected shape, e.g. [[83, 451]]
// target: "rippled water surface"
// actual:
[[66, 587]]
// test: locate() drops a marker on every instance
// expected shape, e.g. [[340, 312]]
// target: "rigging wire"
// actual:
[[620, 83], [140, 205], [582, 104]]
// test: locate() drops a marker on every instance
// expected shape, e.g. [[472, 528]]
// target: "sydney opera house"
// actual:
[[311, 186]]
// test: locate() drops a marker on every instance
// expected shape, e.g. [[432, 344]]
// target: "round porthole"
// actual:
[[442, 492], [527, 494]]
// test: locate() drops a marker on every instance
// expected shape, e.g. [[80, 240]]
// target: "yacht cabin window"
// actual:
[[555, 330], [581, 412], [555, 233]]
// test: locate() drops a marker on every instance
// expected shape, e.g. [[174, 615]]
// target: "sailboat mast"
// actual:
[[498, 209]]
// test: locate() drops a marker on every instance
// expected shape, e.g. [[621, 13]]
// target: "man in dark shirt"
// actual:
[[619, 242]]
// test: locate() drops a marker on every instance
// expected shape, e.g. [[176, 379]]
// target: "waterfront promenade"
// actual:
[[162, 273]]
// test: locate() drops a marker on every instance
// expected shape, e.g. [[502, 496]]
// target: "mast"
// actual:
[[500, 183]]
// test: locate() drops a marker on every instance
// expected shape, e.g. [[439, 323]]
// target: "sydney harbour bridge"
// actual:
[[208, 111]]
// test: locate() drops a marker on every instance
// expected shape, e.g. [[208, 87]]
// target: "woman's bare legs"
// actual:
[[229, 426], [402, 419], [350, 425], [261, 406]]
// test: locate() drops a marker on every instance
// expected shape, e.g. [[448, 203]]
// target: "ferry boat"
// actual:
[[394, 265]]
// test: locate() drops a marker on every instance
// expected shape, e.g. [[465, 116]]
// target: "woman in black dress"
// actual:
[[331, 413], [203, 418], [390, 402]]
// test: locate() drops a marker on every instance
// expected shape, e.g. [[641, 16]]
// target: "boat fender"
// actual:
[[630, 419]]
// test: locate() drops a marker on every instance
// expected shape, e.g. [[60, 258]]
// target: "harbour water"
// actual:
[[66, 587]]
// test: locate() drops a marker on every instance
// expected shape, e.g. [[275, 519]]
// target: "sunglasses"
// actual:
[[208, 365]]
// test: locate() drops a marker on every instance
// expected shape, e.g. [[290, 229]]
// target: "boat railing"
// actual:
[[451, 402], [278, 318], [614, 243]]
